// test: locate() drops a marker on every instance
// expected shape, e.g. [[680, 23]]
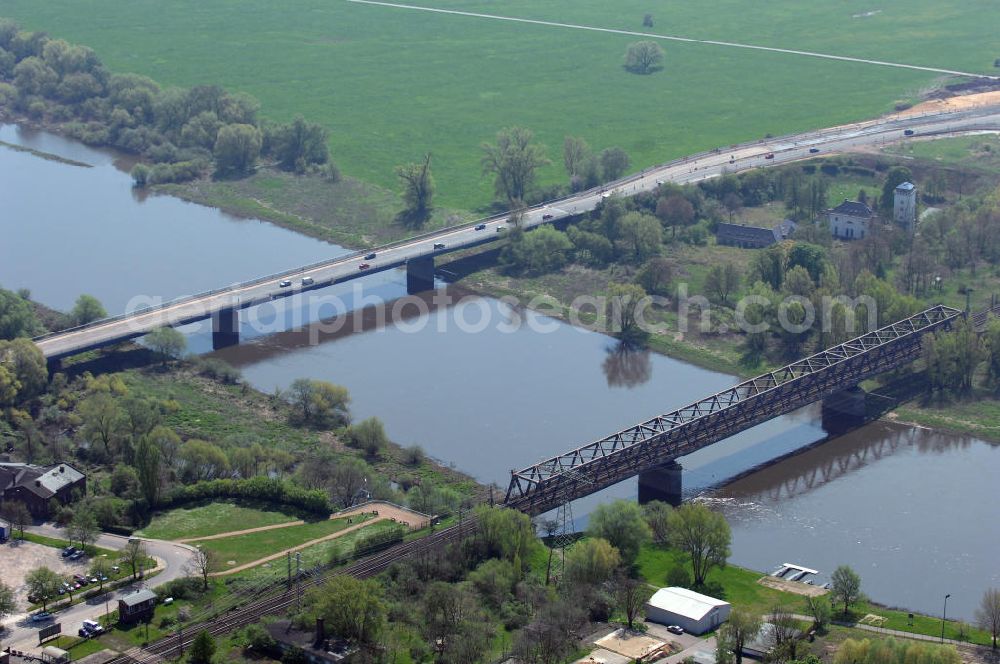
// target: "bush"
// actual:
[[679, 575], [413, 455], [217, 369], [187, 587]]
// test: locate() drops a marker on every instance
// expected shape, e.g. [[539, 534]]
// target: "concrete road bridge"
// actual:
[[417, 254]]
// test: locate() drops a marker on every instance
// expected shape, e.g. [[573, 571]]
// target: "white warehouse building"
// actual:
[[695, 612]]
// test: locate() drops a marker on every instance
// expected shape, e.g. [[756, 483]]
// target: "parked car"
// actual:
[[167, 601], [675, 629], [115, 569], [92, 626], [364, 266], [481, 227], [41, 616], [285, 283], [68, 551], [308, 281], [813, 150], [439, 245], [76, 555], [370, 257], [82, 580]]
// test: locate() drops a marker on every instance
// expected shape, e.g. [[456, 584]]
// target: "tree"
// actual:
[[655, 276], [200, 564], [657, 515], [102, 419], [8, 604], [17, 514], [674, 211], [513, 161], [83, 528], [703, 534], [99, 569], [820, 610], [202, 649], [505, 534], [845, 587], [576, 153], [147, 469], [591, 562], [741, 629], [299, 144], [167, 342], [785, 633], [418, 189], [201, 461], [17, 317], [623, 310], [43, 584], [988, 614], [369, 435], [614, 163], [721, 281], [237, 147], [87, 309], [640, 234], [320, 403], [631, 596], [621, 524], [24, 365], [541, 250], [124, 481], [352, 608], [132, 555], [643, 57]]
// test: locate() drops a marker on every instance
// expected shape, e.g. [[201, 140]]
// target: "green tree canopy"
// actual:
[[620, 523], [237, 147], [352, 608], [418, 189], [87, 309], [17, 317], [643, 57], [166, 342], [703, 534], [845, 587], [513, 161], [591, 562]]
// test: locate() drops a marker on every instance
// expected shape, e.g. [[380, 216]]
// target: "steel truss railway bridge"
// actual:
[[650, 449]]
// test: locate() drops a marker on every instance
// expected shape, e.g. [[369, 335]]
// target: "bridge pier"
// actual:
[[54, 365], [844, 410], [419, 275], [662, 483], [225, 328]]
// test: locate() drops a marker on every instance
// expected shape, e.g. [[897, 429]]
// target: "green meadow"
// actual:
[[392, 83]]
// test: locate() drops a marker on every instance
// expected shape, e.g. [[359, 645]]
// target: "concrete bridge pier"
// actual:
[[54, 365], [419, 275], [844, 410], [225, 328], [662, 483]]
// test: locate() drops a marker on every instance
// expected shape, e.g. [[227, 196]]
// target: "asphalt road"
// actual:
[[705, 165], [23, 635]]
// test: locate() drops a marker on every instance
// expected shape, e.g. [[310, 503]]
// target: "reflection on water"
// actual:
[[627, 366], [912, 510]]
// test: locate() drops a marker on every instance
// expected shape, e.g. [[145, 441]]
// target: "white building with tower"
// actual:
[[904, 206]]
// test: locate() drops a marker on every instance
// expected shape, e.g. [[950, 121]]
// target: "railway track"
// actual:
[[172, 646]]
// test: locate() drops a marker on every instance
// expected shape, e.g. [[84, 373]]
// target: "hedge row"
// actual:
[[258, 488]]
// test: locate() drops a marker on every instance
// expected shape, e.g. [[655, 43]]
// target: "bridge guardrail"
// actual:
[[629, 179]]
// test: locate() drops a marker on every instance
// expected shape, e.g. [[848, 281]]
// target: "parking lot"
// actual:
[[19, 558]]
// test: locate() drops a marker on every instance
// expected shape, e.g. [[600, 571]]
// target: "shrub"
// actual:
[[258, 488]]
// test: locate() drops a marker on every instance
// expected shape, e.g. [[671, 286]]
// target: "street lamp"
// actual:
[[944, 614]]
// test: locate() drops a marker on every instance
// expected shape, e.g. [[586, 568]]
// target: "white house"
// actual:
[[850, 220], [904, 206], [695, 612]]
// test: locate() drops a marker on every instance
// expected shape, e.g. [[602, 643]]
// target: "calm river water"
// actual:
[[911, 510]]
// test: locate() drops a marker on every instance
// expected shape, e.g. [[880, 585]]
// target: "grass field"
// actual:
[[254, 546], [210, 519], [394, 83]]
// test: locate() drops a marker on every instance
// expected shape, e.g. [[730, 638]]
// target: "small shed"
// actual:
[[765, 641], [5, 531], [695, 612], [137, 606]]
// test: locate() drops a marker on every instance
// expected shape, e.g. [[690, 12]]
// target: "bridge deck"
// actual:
[[600, 464]]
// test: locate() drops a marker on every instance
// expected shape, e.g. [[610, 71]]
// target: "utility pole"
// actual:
[[288, 556], [298, 582]]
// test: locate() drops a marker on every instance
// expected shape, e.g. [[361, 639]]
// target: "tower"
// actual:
[[904, 206]]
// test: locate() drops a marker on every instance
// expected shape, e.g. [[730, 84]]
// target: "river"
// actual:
[[487, 388]]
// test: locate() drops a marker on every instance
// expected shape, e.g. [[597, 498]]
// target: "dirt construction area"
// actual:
[[19, 558]]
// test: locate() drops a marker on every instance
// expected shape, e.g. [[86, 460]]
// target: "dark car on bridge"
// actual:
[[439, 245], [370, 257], [285, 283], [546, 217], [908, 132], [307, 281], [813, 150], [481, 227], [364, 266]]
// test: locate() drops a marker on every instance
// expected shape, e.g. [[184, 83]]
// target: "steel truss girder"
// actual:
[[600, 464]]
